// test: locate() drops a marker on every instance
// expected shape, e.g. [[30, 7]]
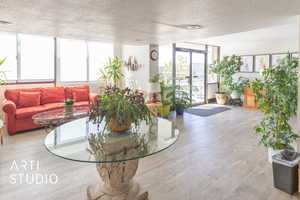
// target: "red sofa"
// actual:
[[21, 104]]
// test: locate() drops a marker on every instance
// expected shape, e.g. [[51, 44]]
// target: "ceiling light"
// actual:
[[189, 26], [5, 22]]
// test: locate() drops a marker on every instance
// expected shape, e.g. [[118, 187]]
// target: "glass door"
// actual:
[[190, 73], [183, 71], [198, 73]]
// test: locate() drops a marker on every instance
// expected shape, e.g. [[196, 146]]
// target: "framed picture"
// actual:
[[295, 55], [262, 62], [278, 58], [247, 64]]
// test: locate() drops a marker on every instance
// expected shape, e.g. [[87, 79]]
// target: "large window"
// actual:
[[165, 61], [212, 56], [37, 58], [8, 50], [98, 55], [73, 60]]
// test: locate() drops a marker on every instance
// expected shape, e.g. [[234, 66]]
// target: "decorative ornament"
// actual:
[[132, 64]]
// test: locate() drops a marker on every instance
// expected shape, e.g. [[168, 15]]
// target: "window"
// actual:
[[73, 60], [8, 50], [98, 55], [212, 56], [37, 58], [165, 61]]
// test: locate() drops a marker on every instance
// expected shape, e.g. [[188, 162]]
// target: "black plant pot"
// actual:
[[285, 171], [179, 110]]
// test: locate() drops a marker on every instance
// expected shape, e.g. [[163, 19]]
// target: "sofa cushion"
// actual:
[[69, 90], [80, 95], [52, 106], [28, 99], [28, 112], [13, 94], [52, 95]]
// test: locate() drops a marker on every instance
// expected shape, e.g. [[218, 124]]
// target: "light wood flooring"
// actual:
[[215, 158]]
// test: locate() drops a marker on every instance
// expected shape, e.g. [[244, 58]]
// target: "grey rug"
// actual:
[[207, 111]]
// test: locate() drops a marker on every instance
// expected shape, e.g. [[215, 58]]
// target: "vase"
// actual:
[[221, 98], [165, 111], [69, 109], [116, 127]]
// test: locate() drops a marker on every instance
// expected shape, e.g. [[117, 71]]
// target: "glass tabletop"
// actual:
[[83, 141], [60, 114]]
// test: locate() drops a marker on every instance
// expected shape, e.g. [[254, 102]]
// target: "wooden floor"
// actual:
[[216, 158]]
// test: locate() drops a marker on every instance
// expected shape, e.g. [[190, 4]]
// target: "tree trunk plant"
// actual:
[[278, 101], [113, 71], [225, 69]]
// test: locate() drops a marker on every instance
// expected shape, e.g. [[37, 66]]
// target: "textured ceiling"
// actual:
[[147, 20]]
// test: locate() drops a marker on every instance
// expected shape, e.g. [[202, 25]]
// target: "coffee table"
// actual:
[[116, 154], [55, 117]]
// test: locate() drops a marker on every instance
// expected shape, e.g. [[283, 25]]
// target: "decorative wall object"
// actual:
[[247, 64], [262, 62], [132, 64], [295, 55], [278, 58]]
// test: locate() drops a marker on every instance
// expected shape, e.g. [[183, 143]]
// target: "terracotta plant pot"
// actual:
[[221, 98], [114, 126], [69, 109]]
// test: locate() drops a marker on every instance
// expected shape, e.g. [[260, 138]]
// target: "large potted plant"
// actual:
[[120, 108], [277, 98], [236, 89], [278, 101], [225, 69]]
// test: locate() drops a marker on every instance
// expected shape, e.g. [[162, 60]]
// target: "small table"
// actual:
[[1, 131], [116, 154], [58, 116]]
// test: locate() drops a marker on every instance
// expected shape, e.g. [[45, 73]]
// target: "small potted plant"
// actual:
[[237, 88], [120, 108], [69, 106], [225, 69], [182, 101]]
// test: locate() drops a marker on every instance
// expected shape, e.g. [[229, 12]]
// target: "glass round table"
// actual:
[[116, 154]]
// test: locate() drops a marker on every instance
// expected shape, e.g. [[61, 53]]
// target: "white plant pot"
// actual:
[[235, 95], [272, 152]]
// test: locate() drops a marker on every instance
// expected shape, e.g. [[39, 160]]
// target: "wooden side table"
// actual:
[[1, 131]]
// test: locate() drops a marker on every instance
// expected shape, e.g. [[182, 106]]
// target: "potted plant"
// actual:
[[120, 108], [236, 89], [279, 104], [225, 69], [69, 106], [2, 73], [182, 101], [167, 94], [112, 72]]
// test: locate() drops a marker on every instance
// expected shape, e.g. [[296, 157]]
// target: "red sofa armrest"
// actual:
[[93, 98], [9, 107]]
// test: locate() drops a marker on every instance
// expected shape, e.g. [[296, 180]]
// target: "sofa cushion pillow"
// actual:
[[29, 99], [80, 95], [53, 95], [69, 90]]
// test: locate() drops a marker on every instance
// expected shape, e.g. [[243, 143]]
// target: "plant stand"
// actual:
[[285, 174], [118, 184]]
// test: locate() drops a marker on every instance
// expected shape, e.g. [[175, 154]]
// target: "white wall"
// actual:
[[140, 78]]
